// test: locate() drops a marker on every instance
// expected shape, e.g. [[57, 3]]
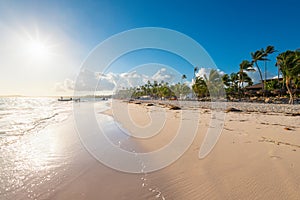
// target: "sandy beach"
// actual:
[[256, 157]]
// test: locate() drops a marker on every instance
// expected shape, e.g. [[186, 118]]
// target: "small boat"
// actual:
[[62, 99]]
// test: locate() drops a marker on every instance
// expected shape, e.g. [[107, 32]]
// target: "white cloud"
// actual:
[[88, 80], [163, 75], [205, 71], [66, 85]]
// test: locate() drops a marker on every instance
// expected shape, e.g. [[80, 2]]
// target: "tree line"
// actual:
[[156, 90], [234, 84]]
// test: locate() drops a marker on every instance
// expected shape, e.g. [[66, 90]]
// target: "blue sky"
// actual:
[[228, 30]]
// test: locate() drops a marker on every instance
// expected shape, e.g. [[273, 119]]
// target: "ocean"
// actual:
[[21, 116], [27, 161]]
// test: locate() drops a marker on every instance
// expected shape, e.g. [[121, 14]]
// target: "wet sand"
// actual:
[[256, 157]]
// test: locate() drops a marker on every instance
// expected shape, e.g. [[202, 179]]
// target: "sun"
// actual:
[[36, 46], [37, 50]]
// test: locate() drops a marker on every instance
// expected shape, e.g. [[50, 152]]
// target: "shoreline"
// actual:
[[256, 156]]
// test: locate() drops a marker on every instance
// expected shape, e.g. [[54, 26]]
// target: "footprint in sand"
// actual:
[[243, 134], [275, 157]]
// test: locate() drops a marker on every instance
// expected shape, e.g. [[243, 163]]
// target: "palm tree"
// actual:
[[258, 56], [261, 55], [199, 87], [234, 78], [181, 86], [269, 50], [195, 71], [183, 77], [226, 80], [144, 90], [244, 78], [155, 89], [214, 83], [248, 80], [245, 65], [148, 85], [289, 64]]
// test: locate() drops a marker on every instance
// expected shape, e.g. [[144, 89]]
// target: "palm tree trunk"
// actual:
[[265, 74], [260, 74], [239, 94], [278, 80], [242, 82], [287, 83]]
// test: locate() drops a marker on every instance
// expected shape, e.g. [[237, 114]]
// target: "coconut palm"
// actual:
[[181, 86], [226, 80], [214, 83], [289, 64], [183, 77], [234, 79], [244, 78], [269, 50], [195, 71], [154, 90], [261, 55], [200, 87], [195, 79], [247, 66], [180, 89]]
